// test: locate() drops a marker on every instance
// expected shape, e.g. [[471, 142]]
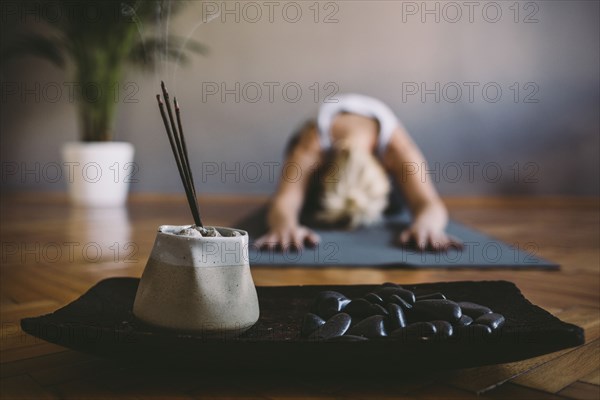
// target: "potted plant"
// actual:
[[100, 38]]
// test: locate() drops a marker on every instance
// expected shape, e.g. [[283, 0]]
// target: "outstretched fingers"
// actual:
[[267, 241], [294, 239], [312, 239], [424, 240]]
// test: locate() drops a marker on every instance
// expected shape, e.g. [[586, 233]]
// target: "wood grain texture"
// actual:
[[593, 378], [52, 262], [516, 392], [483, 379], [560, 373], [581, 391]]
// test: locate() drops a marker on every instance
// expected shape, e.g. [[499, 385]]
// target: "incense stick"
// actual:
[[179, 148], [176, 135], [183, 145]]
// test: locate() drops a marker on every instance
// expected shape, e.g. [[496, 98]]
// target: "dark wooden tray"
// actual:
[[101, 322]]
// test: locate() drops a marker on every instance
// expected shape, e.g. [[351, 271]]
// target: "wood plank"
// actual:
[[35, 349], [280, 387], [42, 287], [593, 378], [11, 316], [61, 279], [6, 301], [21, 310], [125, 383], [88, 389], [15, 343], [516, 392], [560, 373], [573, 293], [23, 387], [62, 373], [138, 381], [439, 391], [19, 292], [25, 366], [481, 379], [382, 391], [581, 391]]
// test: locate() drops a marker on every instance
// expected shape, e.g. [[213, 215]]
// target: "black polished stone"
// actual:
[[358, 308], [361, 308], [329, 293], [348, 338], [443, 328], [475, 331], [473, 310], [335, 326], [400, 301], [417, 330], [438, 295], [379, 310], [464, 320], [493, 320], [386, 293], [310, 323], [436, 309], [396, 318], [371, 327], [329, 303], [373, 298]]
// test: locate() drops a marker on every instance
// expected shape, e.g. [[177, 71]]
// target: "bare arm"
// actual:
[[404, 159], [284, 211]]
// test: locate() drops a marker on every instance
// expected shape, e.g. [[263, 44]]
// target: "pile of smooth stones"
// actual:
[[394, 312]]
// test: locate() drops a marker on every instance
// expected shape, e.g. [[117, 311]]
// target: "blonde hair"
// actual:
[[355, 189]]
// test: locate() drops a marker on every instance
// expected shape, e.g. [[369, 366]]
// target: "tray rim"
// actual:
[[572, 334]]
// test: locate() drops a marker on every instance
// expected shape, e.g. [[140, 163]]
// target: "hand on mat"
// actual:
[[424, 237], [294, 237]]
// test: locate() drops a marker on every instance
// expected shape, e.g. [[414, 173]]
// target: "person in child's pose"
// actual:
[[345, 157]]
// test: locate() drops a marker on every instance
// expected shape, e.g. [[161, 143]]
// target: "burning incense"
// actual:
[[179, 148]]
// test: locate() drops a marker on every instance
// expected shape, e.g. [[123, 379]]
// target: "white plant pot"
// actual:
[[98, 173]]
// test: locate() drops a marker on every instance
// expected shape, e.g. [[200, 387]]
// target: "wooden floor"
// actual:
[[52, 253]]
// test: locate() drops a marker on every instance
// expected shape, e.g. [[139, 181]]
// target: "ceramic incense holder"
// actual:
[[198, 283]]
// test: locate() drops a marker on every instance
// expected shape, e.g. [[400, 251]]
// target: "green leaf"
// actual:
[[100, 37], [49, 48]]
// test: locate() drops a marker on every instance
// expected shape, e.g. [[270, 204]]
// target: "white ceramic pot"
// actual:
[[198, 284], [98, 173]]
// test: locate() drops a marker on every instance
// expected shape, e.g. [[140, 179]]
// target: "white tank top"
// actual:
[[361, 105]]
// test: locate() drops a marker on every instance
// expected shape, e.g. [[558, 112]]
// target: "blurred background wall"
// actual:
[[502, 97]]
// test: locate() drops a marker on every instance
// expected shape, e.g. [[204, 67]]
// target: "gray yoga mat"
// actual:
[[374, 247]]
